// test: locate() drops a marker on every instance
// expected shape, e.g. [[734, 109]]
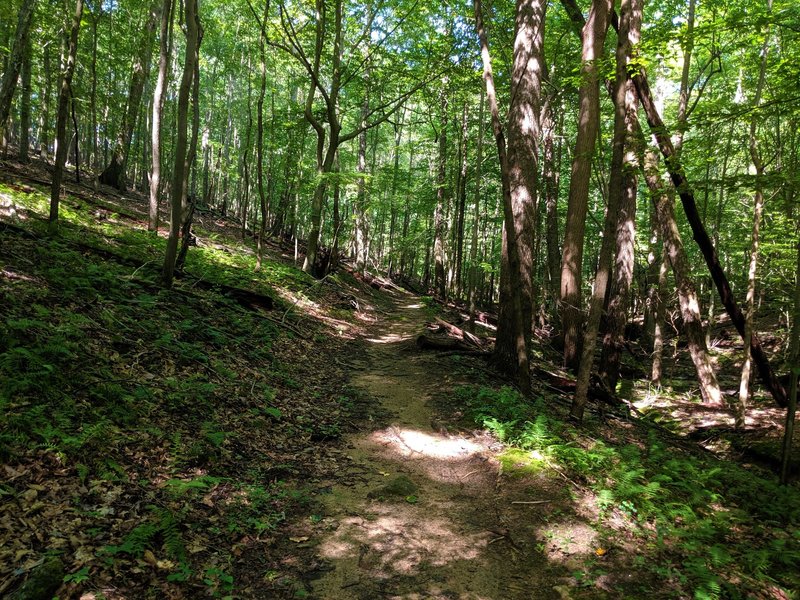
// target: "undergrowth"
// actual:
[[173, 419], [708, 525]]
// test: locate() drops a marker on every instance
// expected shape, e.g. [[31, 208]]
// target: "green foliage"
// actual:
[[686, 504]]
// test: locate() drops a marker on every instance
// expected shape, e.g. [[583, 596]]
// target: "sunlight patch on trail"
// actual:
[[398, 539], [413, 443]]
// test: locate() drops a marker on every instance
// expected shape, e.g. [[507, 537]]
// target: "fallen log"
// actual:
[[430, 341]]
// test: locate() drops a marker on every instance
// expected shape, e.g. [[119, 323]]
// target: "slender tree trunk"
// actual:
[[361, 205], [621, 204], [15, 59], [516, 363], [758, 209], [165, 47], [594, 34], [439, 223], [25, 105], [180, 175], [62, 115], [462, 203], [115, 173], [687, 295], [678, 176], [551, 175], [474, 271], [260, 139], [794, 357], [96, 13], [660, 312], [44, 136]]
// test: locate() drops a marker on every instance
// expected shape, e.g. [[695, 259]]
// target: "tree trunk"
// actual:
[[361, 204], [15, 59], [758, 209], [687, 295], [164, 51], [619, 213], [474, 271], [594, 34], [180, 175], [62, 115], [260, 139], [114, 174], [25, 105], [516, 361], [622, 185], [44, 136], [439, 223], [676, 172], [551, 175]]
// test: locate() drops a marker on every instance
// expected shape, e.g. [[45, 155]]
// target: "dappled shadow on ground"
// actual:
[[433, 513]]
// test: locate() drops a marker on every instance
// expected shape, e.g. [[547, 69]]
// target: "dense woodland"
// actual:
[[605, 192]]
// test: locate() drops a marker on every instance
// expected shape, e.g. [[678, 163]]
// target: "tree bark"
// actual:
[[260, 139], [594, 34], [621, 198], [25, 104], [62, 115], [114, 174], [687, 295], [622, 185], [439, 223], [44, 136], [180, 172], [515, 363], [474, 271], [676, 172], [15, 59], [164, 51]]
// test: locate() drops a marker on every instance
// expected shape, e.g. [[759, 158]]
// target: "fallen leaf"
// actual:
[[150, 558], [300, 539]]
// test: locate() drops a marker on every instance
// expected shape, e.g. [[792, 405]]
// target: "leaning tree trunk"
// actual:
[[114, 173], [678, 176], [15, 59], [165, 47], [687, 295], [594, 35], [61, 122], [181, 168]]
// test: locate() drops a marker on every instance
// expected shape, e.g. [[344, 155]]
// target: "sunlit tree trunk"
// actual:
[[165, 47], [594, 35], [623, 185], [514, 362], [62, 145], [687, 295], [44, 135], [621, 197], [180, 173]]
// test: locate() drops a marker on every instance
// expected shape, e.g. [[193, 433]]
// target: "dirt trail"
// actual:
[[428, 514]]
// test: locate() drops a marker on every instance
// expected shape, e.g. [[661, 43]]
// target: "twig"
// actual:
[[530, 501]]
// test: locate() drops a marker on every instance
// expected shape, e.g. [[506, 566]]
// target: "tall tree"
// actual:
[[593, 37], [62, 115], [115, 173], [164, 51], [180, 173], [513, 360], [15, 59]]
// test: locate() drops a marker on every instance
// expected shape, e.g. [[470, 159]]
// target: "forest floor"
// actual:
[[266, 435]]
